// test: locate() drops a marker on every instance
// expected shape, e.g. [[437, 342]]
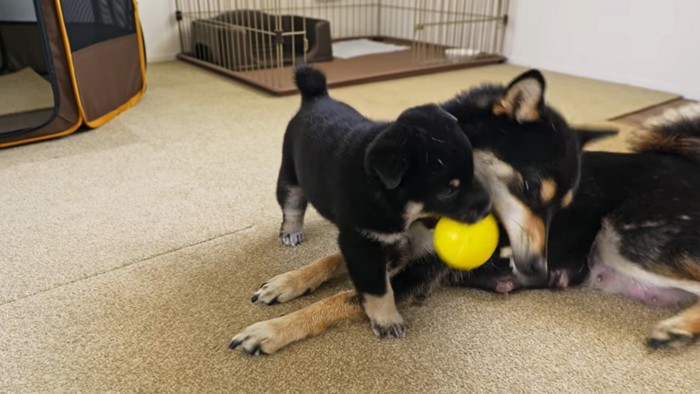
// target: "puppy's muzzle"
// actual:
[[479, 209]]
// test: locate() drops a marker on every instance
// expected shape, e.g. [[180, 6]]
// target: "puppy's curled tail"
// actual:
[[676, 132], [310, 82]]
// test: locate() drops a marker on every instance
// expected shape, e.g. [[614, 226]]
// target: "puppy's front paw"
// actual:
[[292, 238], [264, 337], [670, 334], [281, 288], [390, 329]]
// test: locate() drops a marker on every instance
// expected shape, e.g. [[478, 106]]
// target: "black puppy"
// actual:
[[525, 156], [373, 180]]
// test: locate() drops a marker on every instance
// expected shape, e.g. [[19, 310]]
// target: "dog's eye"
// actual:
[[448, 192]]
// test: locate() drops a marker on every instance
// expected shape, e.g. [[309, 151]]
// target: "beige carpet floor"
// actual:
[[24, 90], [130, 252]]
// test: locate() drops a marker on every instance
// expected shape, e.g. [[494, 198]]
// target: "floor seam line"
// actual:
[[153, 256]]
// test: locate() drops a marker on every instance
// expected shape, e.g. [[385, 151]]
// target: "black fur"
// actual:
[[543, 148], [650, 198], [363, 176]]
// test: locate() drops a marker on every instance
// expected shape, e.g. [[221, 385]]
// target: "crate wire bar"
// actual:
[[261, 41]]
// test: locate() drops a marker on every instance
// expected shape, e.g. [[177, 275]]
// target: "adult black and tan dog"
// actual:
[[633, 228], [525, 156], [373, 180]]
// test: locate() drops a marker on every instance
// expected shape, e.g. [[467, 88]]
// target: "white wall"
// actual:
[[159, 29], [17, 11], [648, 43]]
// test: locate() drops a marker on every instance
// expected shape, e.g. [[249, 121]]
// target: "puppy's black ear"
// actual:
[[523, 98], [588, 135], [387, 158]]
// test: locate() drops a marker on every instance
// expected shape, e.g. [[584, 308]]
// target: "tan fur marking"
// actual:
[[548, 189], [501, 109], [318, 317], [691, 267], [536, 232], [691, 318], [274, 334], [520, 101], [314, 274], [290, 285], [685, 324], [567, 199], [527, 115], [665, 270], [685, 269], [654, 141], [382, 309]]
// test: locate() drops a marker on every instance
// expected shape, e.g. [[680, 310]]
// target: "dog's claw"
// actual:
[[262, 338], [282, 288], [292, 239], [674, 340], [393, 331]]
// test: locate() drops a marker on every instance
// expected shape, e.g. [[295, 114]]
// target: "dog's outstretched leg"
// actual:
[[271, 335], [677, 331], [292, 201], [301, 281], [648, 279]]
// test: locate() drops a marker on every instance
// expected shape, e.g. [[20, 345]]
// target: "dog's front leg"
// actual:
[[269, 336], [301, 281], [366, 262]]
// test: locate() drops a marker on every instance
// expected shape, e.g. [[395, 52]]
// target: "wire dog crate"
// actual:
[[352, 41]]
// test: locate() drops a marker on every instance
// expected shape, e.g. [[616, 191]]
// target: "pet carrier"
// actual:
[[260, 41], [66, 63]]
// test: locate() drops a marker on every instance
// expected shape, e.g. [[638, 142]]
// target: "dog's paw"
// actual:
[[392, 327], [261, 338], [293, 238], [670, 334], [389, 331], [281, 288]]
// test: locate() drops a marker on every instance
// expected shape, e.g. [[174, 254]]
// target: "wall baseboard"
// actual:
[[164, 57]]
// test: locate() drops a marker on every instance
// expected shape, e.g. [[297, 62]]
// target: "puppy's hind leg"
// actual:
[[293, 204]]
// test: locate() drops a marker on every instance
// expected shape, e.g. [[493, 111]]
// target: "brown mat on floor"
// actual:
[[352, 71]]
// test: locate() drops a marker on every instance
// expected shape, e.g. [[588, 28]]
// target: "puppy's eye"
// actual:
[[448, 192]]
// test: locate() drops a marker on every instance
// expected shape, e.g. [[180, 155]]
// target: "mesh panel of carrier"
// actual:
[[92, 21]]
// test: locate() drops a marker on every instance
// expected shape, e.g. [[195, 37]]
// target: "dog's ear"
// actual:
[[523, 98], [588, 135], [387, 157]]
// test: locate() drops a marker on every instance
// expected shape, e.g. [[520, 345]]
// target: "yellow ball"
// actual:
[[465, 246]]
